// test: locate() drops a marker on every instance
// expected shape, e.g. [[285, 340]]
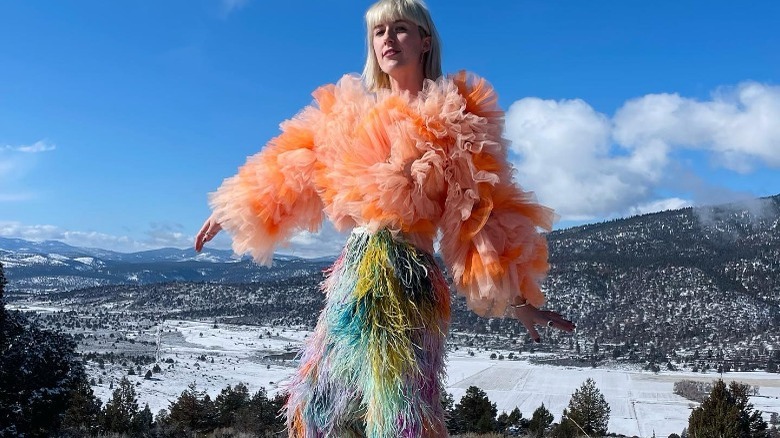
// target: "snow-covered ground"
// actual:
[[232, 354], [642, 403]]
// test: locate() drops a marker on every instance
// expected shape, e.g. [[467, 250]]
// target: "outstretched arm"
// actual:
[[272, 196]]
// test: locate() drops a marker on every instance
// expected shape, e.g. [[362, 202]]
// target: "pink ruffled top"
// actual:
[[412, 165]]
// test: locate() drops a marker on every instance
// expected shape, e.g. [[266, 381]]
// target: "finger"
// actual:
[[553, 319], [205, 228], [531, 330], [201, 240]]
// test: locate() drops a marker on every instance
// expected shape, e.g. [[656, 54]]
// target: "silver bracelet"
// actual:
[[517, 306]]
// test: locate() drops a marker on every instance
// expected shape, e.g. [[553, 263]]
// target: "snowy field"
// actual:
[[642, 403]]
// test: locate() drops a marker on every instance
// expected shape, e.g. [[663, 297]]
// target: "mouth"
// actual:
[[390, 52]]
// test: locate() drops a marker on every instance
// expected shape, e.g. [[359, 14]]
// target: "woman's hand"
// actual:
[[207, 232], [530, 317]]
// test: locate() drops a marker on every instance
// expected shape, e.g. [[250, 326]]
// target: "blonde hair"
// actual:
[[388, 11]]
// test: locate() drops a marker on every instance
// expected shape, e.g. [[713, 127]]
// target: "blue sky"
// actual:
[[117, 118]]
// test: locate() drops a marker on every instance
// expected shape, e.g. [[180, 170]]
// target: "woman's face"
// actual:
[[399, 48]]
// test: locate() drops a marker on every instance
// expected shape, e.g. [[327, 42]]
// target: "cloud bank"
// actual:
[[328, 242], [588, 165]]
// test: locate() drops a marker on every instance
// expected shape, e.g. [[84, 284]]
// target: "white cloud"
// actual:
[[660, 205], [89, 239], [738, 125], [38, 146], [327, 242], [587, 165], [164, 235], [567, 158]]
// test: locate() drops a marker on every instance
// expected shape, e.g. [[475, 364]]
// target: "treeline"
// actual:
[[588, 412], [234, 412]]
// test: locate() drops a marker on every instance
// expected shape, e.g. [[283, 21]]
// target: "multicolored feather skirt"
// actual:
[[374, 366]]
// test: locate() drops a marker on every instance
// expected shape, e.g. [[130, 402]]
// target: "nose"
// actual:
[[389, 36]]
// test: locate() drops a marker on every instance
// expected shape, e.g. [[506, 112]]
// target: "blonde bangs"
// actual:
[[388, 11]]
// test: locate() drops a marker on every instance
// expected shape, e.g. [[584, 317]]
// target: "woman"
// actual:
[[395, 157]]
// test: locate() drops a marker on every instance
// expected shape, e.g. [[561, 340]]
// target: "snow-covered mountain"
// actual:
[[50, 266], [156, 255]]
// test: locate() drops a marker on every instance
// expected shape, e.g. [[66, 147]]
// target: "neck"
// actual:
[[411, 83]]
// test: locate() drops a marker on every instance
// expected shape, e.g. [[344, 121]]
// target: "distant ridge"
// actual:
[[51, 266], [709, 275], [704, 276]]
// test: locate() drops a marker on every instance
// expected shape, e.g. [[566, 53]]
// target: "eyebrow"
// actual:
[[400, 20]]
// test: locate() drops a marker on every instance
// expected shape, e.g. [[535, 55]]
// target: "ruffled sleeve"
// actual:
[[490, 239], [272, 196]]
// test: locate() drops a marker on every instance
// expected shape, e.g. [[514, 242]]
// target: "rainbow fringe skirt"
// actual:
[[374, 365]]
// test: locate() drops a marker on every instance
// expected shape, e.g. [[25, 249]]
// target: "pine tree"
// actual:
[[475, 412], [121, 410], [2, 299], [448, 405], [514, 421], [540, 421], [39, 374], [727, 413], [142, 423], [588, 409], [193, 411], [82, 418], [230, 402], [566, 428]]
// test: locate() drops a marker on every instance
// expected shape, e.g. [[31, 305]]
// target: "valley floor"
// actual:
[[213, 357]]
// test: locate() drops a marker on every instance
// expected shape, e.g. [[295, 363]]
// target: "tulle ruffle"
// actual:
[[272, 196], [412, 165]]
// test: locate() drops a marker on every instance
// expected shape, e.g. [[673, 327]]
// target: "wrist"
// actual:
[[518, 303]]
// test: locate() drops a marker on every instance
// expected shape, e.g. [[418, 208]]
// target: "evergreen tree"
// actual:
[[448, 405], [566, 428], [2, 301], [229, 404], [39, 374], [82, 417], [193, 411], [475, 412], [143, 422], [588, 409], [121, 410], [511, 423], [261, 417], [727, 413], [540, 421], [502, 422]]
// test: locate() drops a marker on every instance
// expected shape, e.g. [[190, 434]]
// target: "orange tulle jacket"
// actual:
[[429, 166]]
